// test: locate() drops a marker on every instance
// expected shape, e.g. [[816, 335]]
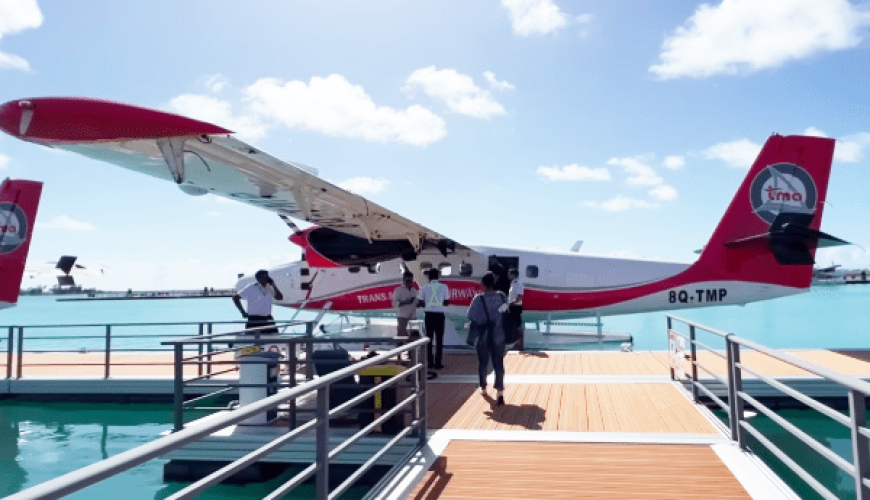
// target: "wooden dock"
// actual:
[[575, 425]]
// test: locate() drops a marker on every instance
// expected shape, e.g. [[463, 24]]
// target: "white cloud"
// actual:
[[64, 222], [619, 204], [15, 16], [740, 154], [214, 214], [216, 83], [640, 174], [364, 185], [499, 85], [663, 193], [750, 35], [584, 20], [218, 112], [574, 173], [4, 161], [849, 149], [335, 107], [458, 91], [534, 17], [674, 162]]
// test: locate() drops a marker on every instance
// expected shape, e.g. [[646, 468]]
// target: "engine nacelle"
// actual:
[[326, 247]]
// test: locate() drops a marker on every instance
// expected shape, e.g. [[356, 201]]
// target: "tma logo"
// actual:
[[782, 187], [13, 227]]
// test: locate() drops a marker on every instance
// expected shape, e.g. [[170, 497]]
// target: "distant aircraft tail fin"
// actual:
[[770, 232], [19, 201]]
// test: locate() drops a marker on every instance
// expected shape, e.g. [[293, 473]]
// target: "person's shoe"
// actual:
[[500, 401], [482, 390], [439, 366]]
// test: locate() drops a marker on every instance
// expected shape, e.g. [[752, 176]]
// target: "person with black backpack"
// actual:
[[488, 334]]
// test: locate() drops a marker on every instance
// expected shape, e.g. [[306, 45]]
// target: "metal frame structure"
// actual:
[[15, 342], [92, 474], [856, 421], [205, 345]]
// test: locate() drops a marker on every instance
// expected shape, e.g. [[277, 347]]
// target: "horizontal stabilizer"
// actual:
[[790, 239]]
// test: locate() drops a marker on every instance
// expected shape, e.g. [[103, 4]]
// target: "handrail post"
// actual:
[[732, 396], [210, 349], [199, 352], [415, 358], [739, 404], [178, 389], [857, 410], [9, 352], [424, 376], [694, 351], [108, 351], [20, 347], [671, 327], [322, 443], [309, 351], [291, 372]]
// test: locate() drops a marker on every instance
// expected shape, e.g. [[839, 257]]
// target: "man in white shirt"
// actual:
[[433, 298], [259, 296], [405, 302], [514, 308]]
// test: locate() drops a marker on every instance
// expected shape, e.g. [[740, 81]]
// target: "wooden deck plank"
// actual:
[[502, 470]]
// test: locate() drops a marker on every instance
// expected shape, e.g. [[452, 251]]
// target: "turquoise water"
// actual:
[[44, 440], [825, 317], [41, 441]]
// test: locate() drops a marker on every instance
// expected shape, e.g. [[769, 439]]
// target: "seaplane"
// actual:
[[355, 250], [19, 201], [66, 270]]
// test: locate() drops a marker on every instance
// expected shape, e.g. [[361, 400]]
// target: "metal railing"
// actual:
[[856, 421], [14, 346], [99, 471], [205, 378]]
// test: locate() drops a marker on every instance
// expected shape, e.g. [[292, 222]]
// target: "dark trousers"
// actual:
[[515, 323], [255, 321], [434, 323], [487, 349]]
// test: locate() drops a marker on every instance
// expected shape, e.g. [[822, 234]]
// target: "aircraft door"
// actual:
[[505, 263]]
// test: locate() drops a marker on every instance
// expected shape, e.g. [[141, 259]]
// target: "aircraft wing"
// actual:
[[202, 158]]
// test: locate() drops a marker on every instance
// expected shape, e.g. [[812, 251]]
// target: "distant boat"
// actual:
[[835, 275]]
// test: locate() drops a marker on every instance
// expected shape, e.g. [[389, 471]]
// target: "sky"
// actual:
[[519, 123]]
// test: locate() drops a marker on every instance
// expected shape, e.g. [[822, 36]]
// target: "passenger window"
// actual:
[[531, 271], [465, 269], [445, 268], [374, 268], [425, 265], [354, 269]]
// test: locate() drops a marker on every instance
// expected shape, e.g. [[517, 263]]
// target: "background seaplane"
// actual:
[[19, 201], [354, 253]]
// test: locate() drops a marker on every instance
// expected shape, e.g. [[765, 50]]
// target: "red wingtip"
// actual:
[[59, 120]]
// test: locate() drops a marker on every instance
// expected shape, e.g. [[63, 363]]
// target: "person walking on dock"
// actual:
[[405, 302], [259, 296], [490, 342], [433, 298]]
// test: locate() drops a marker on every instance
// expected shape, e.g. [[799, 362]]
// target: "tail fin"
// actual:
[[770, 232], [19, 201]]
